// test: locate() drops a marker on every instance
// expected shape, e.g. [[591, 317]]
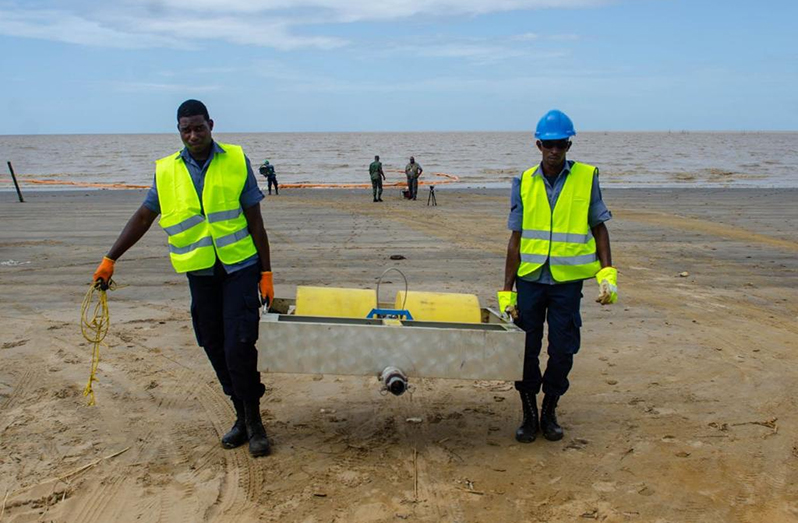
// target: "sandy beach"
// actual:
[[682, 403]]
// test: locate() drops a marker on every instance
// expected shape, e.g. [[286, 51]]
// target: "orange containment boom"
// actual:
[[447, 178]]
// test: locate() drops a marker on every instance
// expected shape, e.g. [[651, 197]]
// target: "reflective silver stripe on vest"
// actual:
[[584, 259], [232, 238], [533, 234], [204, 242], [567, 237], [564, 237], [223, 215], [533, 258], [184, 225]]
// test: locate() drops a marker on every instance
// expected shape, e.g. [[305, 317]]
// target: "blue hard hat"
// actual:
[[555, 125]]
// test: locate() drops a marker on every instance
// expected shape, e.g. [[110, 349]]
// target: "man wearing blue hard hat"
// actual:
[[558, 240]]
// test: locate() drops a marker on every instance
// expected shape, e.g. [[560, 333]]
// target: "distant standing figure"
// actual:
[[267, 170], [413, 170], [377, 176]]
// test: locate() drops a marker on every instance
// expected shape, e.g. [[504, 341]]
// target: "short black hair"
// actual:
[[377, 157], [192, 108]]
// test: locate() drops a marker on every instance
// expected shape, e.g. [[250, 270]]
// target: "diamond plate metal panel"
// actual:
[[493, 350]]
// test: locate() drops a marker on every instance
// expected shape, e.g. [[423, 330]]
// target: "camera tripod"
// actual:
[[431, 198]]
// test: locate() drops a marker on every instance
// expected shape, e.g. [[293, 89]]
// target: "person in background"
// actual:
[[413, 171], [221, 245], [377, 176], [267, 170], [558, 240]]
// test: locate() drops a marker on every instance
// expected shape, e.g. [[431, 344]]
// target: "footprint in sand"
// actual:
[[12, 344]]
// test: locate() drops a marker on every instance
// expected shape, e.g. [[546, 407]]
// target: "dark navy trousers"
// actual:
[[559, 306], [225, 309]]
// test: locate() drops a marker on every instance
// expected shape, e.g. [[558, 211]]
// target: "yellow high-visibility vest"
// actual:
[[197, 235], [561, 235]]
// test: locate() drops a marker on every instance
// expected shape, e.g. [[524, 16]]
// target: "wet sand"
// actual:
[[682, 402]]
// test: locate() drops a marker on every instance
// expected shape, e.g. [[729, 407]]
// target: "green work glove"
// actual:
[[607, 279], [508, 304]]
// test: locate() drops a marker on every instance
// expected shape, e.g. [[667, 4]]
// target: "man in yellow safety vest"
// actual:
[[558, 240], [209, 202]]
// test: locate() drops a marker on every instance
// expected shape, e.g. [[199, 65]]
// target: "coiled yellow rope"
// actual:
[[94, 322]]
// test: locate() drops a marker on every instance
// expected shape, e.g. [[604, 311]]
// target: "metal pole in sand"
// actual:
[[13, 177]]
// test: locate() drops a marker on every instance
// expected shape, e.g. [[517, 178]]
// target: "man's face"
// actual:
[[195, 131], [412, 160], [553, 151]]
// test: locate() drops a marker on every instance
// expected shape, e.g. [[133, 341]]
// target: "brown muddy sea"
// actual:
[[479, 159]]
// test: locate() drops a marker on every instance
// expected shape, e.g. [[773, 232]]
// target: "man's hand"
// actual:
[[104, 271], [607, 279], [508, 304], [266, 288]]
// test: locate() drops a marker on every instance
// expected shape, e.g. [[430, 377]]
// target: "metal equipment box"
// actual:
[[490, 350]]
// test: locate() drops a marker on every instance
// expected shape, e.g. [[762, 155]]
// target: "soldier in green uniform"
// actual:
[[377, 176]]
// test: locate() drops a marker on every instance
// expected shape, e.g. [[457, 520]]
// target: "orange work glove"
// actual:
[[266, 288], [104, 271]]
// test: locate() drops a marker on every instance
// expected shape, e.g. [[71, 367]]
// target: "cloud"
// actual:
[[359, 10], [237, 30], [529, 37], [526, 37], [112, 28], [563, 81], [475, 51], [150, 87], [478, 52], [74, 29], [188, 24]]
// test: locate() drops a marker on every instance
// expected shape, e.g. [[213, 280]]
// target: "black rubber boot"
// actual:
[[548, 418], [528, 430], [238, 434], [258, 442]]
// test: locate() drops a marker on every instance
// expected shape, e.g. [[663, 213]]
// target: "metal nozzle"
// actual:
[[393, 380]]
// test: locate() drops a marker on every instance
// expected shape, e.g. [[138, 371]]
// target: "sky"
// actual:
[[123, 66]]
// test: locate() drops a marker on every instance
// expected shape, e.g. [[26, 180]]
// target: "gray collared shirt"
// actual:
[[597, 212], [412, 169], [250, 195]]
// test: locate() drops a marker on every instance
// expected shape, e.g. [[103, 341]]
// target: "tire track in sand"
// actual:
[[93, 506], [704, 227], [444, 500], [29, 377], [239, 484], [243, 479]]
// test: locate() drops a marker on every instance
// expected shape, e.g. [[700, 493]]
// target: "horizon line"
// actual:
[[648, 131]]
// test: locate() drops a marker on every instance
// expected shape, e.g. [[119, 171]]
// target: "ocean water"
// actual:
[[491, 159]]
